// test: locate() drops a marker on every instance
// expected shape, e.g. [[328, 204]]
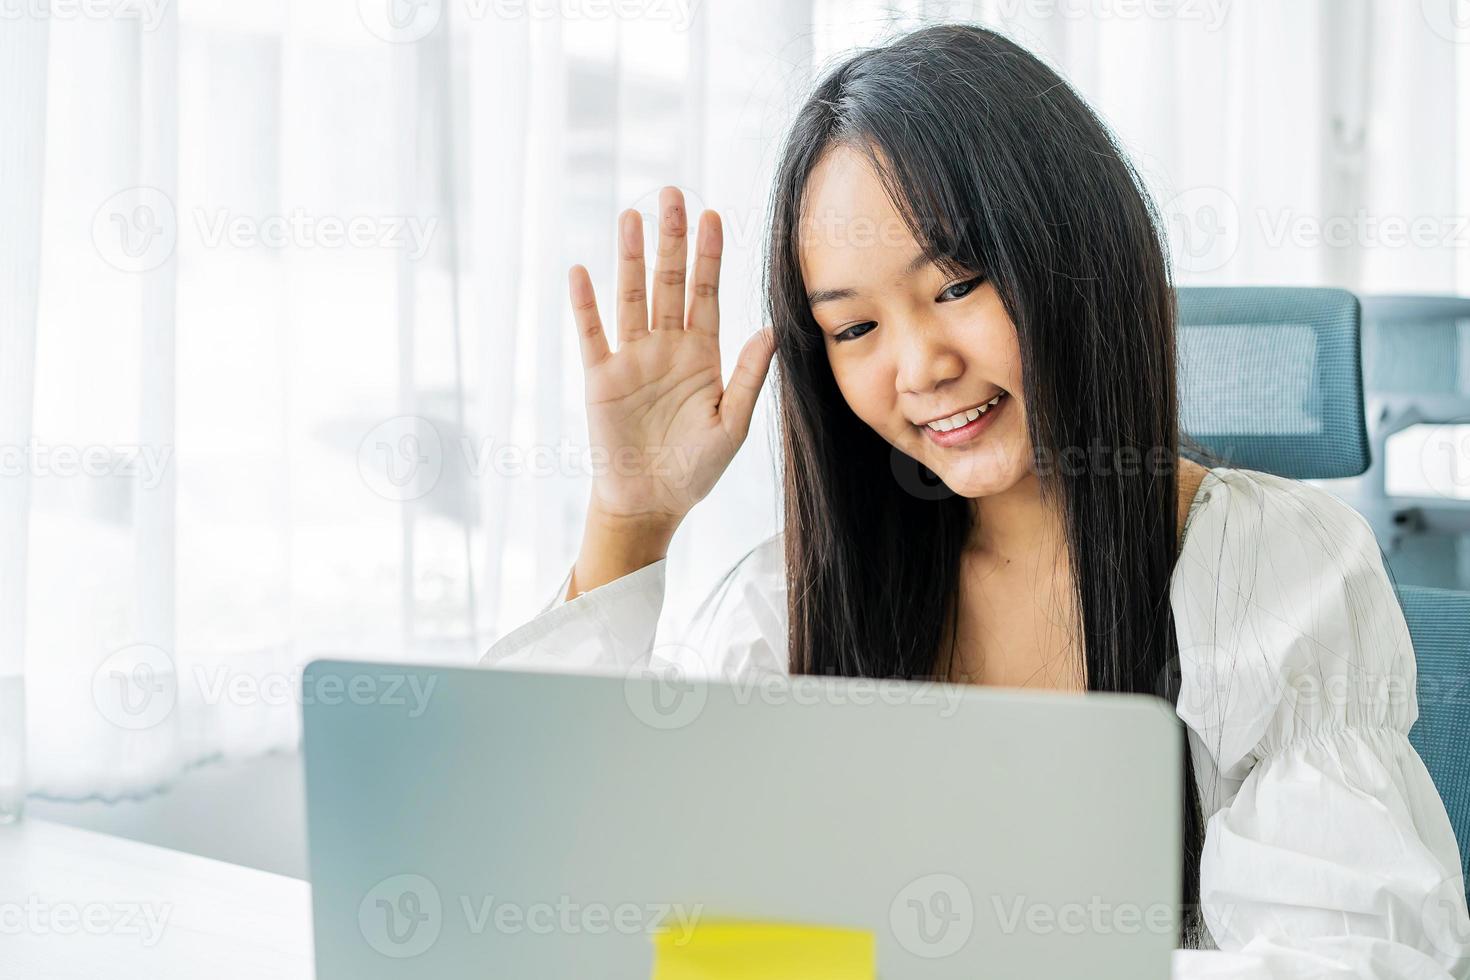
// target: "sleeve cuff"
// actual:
[[609, 627]]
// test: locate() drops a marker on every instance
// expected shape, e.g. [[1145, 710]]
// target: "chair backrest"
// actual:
[[1417, 345], [1270, 378], [1418, 348], [1416, 371], [1439, 623]]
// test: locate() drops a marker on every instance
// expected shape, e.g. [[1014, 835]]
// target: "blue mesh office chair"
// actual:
[[1270, 378], [1416, 371], [1439, 622]]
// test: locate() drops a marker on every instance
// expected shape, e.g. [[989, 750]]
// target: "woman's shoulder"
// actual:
[[1255, 502], [761, 568], [1245, 524], [1287, 621], [740, 625], [1271, 541], [766, 555]]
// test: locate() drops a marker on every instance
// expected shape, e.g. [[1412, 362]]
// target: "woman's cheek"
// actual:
[[862, 388]]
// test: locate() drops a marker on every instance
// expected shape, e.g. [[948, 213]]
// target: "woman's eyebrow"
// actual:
[[831, 295]]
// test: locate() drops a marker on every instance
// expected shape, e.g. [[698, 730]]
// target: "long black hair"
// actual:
[[995, 164]]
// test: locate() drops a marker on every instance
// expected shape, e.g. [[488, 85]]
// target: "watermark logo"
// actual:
[[933, 916], [916, 479], [1450, 19], [136, 687], [401, 459], [1205, 681], [1444, 916], [404, 458], [404, 915], [670, 691], [400, 21], [1204, 228], [1444, 459], [401, 916], [136, 230]]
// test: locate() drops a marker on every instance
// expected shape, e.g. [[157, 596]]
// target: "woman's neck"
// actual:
[[1015, 525]]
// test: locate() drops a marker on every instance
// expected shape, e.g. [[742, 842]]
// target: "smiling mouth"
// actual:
[[962, 417], [964, 426]]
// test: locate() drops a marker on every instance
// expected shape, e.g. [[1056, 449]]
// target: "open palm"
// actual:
[[657, 408]]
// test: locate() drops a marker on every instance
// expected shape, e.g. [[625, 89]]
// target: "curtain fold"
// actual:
[[286, 326], [23, 47], [499, 69]]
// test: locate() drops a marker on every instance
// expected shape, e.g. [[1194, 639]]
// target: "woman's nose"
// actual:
[[926, 360]]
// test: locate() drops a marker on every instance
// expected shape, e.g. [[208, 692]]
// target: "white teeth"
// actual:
[[961, 418], [955, 421]]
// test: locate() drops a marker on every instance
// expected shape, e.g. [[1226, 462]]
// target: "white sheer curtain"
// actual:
[[303, 381], [22, 122], [306, 382]]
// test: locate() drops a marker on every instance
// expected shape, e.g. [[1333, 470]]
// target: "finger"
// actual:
[[704, 292], [669, 268], [632, 278], [738, 404], [584, 311]]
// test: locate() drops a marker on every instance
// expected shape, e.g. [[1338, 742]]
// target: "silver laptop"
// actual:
[[497, 823]]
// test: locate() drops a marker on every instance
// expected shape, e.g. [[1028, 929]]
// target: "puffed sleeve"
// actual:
[[1328, 851], [738, 630]]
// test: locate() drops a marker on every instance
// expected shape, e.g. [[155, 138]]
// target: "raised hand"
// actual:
[[658, 406]]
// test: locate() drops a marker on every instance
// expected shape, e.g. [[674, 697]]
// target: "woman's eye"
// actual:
[[972, 285], [849, 335]]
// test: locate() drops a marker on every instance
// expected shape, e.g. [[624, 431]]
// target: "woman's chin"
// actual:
[[978, 481], [982, 473]]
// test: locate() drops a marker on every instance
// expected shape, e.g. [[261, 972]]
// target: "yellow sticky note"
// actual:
[[728, 950]]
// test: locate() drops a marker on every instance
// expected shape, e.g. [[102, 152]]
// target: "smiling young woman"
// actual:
[[974, 327]]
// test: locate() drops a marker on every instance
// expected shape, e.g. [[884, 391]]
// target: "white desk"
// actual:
[[76, 905]]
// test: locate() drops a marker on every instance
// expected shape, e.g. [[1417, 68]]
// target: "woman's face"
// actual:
[[907, 344]]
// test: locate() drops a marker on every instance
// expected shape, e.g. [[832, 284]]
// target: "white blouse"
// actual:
[[1328, 852]]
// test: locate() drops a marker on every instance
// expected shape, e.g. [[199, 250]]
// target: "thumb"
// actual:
[[738, 404]]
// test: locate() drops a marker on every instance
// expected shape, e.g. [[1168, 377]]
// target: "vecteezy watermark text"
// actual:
[[138, 229], [409, 21], [403, 916], [1210, 13], [670, 691], [222, 227], [36, 917], [403, 458], [148, 13], [38, 459], [137, 687]]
